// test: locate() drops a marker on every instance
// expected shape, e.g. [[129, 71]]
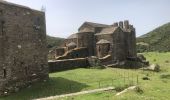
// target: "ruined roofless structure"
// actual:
[[110, 43], [23, 53]]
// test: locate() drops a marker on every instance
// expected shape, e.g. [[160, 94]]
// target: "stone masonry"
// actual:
[[23, 53], [117, 40], [111, 44]]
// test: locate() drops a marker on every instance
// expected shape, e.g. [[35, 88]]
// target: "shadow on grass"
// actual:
[[54, 86]]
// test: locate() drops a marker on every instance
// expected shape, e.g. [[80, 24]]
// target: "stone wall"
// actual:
[[118, 46], [67, 41], [61, 65], [75, 53], [103, 49], [86, 39], [23, 53], [59, 51]]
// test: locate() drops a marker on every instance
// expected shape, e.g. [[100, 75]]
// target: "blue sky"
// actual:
[[63, 17]]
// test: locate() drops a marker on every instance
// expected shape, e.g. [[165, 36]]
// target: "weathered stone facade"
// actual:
[[117, 40], [23, 53], [110, 43]]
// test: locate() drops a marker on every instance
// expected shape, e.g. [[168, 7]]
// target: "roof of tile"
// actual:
[[108, 30]]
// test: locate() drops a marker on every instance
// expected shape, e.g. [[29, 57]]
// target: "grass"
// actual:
[[156, 88]]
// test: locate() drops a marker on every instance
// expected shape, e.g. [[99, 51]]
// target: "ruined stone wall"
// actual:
[[66, 64], [23, 46], [59, 51], [106, 60], [51, 54], [67, 41], [75, 53]]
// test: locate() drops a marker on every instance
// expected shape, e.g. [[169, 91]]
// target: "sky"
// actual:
[[64, 17]]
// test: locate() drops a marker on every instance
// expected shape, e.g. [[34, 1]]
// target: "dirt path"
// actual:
[[126, 90], [77, 93]]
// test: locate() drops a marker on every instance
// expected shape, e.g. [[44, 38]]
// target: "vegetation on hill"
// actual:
[[157, 88], [156, 40], [53, 41]]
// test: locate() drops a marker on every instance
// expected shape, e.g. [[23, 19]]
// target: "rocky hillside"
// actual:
[[53, 41], [156, 40]]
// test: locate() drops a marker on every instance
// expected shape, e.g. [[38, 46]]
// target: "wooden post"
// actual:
[[70, 88], [137, 80], [112, 82], [124, 80], [99, 84], [132, 78]]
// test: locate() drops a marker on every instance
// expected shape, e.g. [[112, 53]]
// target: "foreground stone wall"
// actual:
[[61, 65], [23, 53]]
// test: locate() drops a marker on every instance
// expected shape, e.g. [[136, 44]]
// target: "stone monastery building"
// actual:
[[118, 41]]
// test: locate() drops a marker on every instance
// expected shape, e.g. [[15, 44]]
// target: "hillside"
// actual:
[[53, 41], [156, 40]]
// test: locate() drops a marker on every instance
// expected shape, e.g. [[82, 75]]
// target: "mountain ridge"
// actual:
[[156, 40]]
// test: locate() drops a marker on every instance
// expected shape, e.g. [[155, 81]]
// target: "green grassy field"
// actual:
[[156, 88]]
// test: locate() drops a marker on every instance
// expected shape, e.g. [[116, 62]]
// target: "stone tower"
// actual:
[[23, 53]]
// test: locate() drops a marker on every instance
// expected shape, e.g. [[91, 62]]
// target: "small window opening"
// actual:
[[5, 73], [77, 55]]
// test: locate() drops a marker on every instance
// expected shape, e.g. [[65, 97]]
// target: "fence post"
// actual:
[[132, 78], [128, 78], [137, 80], [99, 84], [112, 82], [70, 88], [124, 80]]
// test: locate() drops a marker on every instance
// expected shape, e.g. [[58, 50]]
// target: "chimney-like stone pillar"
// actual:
[[126, 24], [115, 24], [121, 24]]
